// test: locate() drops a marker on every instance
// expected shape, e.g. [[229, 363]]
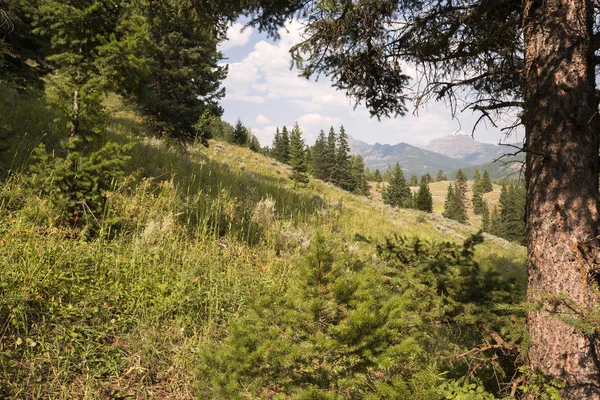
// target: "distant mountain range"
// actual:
[[467, 149], [448, 153]]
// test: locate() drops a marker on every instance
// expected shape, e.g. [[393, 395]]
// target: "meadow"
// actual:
[[190, 241]]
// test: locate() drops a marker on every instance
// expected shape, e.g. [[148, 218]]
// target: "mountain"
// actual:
[[467, 149], [413, 160], [508, 167]]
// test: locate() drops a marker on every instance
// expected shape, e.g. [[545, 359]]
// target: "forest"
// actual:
[[150, 249]]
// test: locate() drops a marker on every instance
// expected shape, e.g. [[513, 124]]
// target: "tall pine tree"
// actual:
[[398, 193], [318, 157], [423, 198], [298, 157], [486, 183], [454, 206], [341, 168]]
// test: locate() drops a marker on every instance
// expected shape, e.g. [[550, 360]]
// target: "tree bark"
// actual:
[[75, 118], [561, 124]]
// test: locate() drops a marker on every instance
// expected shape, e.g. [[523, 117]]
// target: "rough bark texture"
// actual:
[[562, 172], [75, 118]]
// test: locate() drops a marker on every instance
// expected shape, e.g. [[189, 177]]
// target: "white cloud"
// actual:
[[318, 121], [262, 120], [237, 35], [264, 135], [241, 97]]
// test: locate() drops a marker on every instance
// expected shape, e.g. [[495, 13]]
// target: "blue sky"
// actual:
[[265, 93]]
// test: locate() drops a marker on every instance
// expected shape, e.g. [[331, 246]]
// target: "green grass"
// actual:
[[190, 238]]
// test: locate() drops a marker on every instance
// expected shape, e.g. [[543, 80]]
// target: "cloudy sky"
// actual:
[[265, 93]]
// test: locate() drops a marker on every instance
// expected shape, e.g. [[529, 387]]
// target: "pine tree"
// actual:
[[185, 75], [360, 185], [330, 152], [341, 168], [486, 183], [318, 157], [414, 181], [428, 178], [240, 134], [477, 199], [398, 193], [298, 157], [81, 34], [476, 178], [276, 145], [284, 146], [440, 176], [461, 183], [510, 223], [485, 217], [377, 176], [254, 144], [454, 207], [423, 199]]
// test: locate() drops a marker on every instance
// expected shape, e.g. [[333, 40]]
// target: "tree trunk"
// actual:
[[75, 116], [561, 124]]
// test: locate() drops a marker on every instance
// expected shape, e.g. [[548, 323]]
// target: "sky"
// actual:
[[264, 93]]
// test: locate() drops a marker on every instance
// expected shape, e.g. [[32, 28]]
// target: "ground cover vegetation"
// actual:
[[536, 60], [139, 267]]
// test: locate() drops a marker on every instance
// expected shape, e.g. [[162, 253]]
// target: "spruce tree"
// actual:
[[254, 144], [360, 185], [428, 178], [440, 176], [377, 176], [476, 178], [414, 181], [341, 168], [423, 199], [240, 134], [318, 157], [276, 145], [298, 157], [454, 207], [485, 217], [511, 225], [330, 152], [284, 147], [486, 183], [81, 34], [398, 193], [461, 183], [185, 73]]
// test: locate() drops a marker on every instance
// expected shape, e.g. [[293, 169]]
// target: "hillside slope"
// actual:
[[191, 237]]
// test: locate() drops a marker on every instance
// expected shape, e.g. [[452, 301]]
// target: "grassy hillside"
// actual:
[[190, 240]]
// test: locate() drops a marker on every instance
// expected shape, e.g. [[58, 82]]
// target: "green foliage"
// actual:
[[486, 223], [440, 176], [346, 329], [360, 185], [184, 75], [423, 198], [398, 193], [377, 176], [298, 157], [84, 38], [454, 207], [341, 175], [319, 158], [460, 179], [77, 183], [240, 134], [281, 146], [509, 222], [486, 183]]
